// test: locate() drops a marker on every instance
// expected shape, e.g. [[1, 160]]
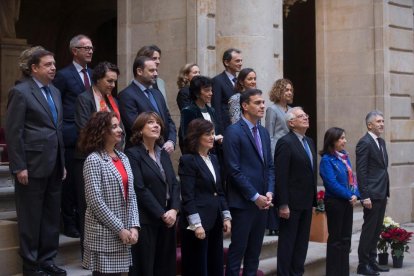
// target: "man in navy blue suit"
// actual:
[[223, 87], [250, 183], [72, 81]]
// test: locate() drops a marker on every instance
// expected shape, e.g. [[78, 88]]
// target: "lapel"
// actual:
[[38, 94], [77, 77], [111, 167], [249, 134], [143, 99], [301, 150], [377, 150], [227, 81], [206, 171], [150, 162]]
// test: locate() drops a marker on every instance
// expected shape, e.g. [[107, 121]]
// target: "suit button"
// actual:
[[215, 194]]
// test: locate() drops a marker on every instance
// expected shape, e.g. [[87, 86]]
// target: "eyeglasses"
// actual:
[[304, 115], [86, 48]]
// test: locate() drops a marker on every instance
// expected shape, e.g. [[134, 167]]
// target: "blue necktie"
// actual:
[[152, 99], [51, 103], [307, 149]]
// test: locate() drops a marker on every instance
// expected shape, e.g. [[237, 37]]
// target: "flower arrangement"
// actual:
[[320, 207], [392, 235], [384, 241]]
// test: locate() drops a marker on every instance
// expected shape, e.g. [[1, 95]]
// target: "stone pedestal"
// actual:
[[10, 49]]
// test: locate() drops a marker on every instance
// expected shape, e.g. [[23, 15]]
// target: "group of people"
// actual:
[[120, 193]]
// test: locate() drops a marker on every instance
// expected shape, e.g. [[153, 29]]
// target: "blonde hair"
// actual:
[[182, 79]]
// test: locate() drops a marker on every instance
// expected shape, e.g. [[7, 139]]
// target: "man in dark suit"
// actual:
[[223, 86], [72, 81], [373, 184], [36, 154], [140, 96], [250, 183], [295, 162]]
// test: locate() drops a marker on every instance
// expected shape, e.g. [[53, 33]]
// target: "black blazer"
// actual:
[[295, 176], [183, 98], [70, 85], [371, 166], [199, 192], [34, 142], [223, 89], [150, 186], [133, 101], [192, 112]]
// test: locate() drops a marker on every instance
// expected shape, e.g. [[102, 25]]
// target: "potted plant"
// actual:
[[384, 242], [399, 238], [319, 225]]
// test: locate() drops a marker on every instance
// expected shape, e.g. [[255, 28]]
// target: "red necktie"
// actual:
[[86, 79]]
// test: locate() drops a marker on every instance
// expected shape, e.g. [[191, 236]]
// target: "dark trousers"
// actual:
[[340, 216], [38, 213], [69, 202], [203, 257], [272, 219], [371, 229], [293, 242], [155, 252], [248, 227], [80, 196]]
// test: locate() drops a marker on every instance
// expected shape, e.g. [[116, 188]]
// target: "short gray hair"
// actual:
[[74, 42], [290, 115], [371, 115]]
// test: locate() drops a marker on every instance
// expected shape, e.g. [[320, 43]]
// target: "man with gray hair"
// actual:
[[72, 81], [295, 166], [374, 187]]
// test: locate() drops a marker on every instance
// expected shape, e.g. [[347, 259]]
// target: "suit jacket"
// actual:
[[247, 172], [34, 141], [150, 186], [192, 112], [223, 89], [183, 98], [373, 179], [107, 212], [70, 85], [295, 177], [276, 124], [200, 193], [133, 101]]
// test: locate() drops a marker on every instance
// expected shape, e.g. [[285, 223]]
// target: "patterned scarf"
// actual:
[[351, 176]]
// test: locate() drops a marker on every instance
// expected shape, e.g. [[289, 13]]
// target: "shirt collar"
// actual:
[[140, 85], [300, 136], [78, 67], [249, 124], [373, 135], [230, 76], [39, 84]]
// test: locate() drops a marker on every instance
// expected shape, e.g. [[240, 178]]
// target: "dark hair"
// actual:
[[196, 84], [227, 55], [100, 70], [36, 56], [245, 96], [331, 136], [92, 136], [148, 51], [196, 129], [139, 62], [140, 123], [241, 77]]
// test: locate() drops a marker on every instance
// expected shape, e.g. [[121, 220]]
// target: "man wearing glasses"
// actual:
[[295, 165], [72, 81]]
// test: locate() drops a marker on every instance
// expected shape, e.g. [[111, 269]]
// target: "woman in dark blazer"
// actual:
[[341, 193], [111, 219], [97, 98], [158, 195], [201, 94], [205, 214]]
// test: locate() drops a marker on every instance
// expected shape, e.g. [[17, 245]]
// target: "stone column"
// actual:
[[10, 49]]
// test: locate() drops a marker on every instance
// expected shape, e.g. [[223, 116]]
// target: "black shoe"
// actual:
[[54, 270], [366, 270], [34, 272], [71, 232], [379, 268]]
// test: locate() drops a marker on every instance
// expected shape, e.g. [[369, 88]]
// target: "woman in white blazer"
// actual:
[[111, 219]]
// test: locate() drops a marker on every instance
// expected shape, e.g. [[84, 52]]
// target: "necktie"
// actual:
[[86, 79], [234, 81], [51, 104], [381, 147], [307, 149], [152, 99], [257, 141]]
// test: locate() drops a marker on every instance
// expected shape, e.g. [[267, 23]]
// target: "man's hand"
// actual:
[[23, 177], [64, 174], [168, 146], [169, 218], [227, 226], [284, 212], [367, 203], [262, 202], [200, 233], [219, 138]]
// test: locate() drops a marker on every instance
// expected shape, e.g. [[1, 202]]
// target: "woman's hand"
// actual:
[[200, 233], [353, 200], [124, 235], [227, 226], [134, 236]]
